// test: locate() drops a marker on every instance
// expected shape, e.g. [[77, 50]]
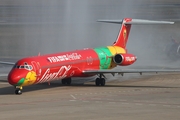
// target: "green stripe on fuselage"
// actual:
[[104, 55], [21, 81]]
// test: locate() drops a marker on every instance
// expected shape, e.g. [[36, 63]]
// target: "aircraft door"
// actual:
[[89, 60]]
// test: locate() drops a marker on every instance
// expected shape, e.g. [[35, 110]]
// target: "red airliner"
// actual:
[[78, 63]]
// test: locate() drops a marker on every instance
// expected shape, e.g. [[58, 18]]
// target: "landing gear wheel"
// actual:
[[97, 81], [63, 81], [66, 81], [102, 81], [18, 92]]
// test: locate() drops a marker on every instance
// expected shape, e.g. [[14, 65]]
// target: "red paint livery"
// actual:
[[79, 63], [56, 66]]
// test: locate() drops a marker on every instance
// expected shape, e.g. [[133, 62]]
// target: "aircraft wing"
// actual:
[[7, 63], [122, 71], [4, 71], [4, 75]]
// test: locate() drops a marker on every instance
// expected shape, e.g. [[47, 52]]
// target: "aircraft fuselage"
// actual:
[[46, 68]]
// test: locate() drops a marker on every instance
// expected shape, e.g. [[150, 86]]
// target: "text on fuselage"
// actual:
[[61, 73], [71, 56], [129, 59]]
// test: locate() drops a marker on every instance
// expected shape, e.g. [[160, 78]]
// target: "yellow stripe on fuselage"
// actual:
[[116, 50]]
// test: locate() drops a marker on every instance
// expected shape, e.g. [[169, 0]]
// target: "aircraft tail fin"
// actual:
[[123, 35]]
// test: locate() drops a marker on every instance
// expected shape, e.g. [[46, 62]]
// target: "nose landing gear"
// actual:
[[18, 90]]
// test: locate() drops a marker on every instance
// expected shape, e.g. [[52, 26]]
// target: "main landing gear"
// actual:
[[66, 81], [18, 90], [100, 81]]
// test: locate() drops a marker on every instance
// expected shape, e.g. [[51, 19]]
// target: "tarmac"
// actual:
[[144, 97]]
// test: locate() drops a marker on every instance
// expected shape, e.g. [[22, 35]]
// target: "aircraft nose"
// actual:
[[14, 78]]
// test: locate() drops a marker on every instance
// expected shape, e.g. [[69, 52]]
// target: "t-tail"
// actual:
[[123, 35]]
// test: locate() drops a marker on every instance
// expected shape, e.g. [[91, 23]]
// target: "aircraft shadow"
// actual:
[[10, 89], [127, 86]]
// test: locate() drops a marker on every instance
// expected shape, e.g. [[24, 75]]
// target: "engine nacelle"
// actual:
[[124, 59]]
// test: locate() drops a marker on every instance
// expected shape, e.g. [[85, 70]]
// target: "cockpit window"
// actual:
[[21, 67], [25, 66]]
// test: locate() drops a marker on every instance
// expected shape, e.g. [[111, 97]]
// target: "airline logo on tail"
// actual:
[[123, 35]]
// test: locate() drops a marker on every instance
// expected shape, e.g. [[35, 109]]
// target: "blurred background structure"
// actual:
[[29, 27]]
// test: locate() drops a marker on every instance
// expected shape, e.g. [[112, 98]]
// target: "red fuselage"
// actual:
[[50, 67], [40, 69]]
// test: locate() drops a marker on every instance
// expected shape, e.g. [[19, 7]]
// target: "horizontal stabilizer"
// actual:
[[111, 21], [136, 22]]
